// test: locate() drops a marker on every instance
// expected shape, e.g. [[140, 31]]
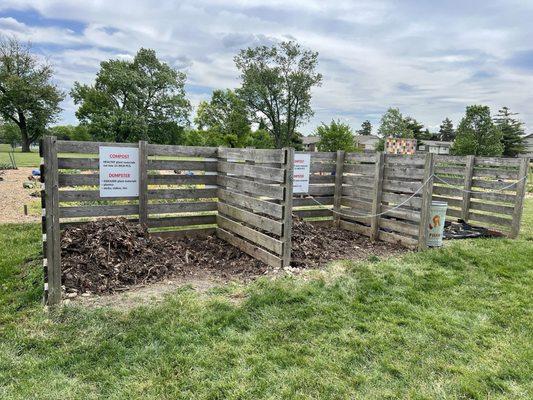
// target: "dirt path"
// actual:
[[13, 196]]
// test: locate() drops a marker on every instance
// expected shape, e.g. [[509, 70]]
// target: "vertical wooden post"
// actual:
[[520, 193], [287, 207], [143, 182], [52, 248], [427, 192], [339, 170], [467, 186], [378, 189]]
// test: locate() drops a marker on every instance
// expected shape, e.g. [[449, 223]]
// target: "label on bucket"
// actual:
[[437, 217]]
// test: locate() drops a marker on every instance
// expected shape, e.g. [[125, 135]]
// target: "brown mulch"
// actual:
[[112, 255]]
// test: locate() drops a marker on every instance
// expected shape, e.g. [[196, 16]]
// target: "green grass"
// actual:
[[453, 323], [22, 159]]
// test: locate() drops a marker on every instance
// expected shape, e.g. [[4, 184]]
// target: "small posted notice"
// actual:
[[119, 172], [302, 167]]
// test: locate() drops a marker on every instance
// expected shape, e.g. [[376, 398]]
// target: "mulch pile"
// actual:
[[112, 255]]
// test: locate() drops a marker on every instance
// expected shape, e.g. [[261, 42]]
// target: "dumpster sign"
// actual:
[[119, 171], [302, 168]]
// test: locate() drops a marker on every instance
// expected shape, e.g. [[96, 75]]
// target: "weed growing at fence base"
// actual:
[[449, 323]]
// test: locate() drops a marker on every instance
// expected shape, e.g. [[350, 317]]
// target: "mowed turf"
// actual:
[[454, 323]]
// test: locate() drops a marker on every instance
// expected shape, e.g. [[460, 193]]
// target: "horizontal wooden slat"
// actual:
[[356, 203], [447, 191], [411, 160], [358, 181], [496, 161], [300, 202], [363, 169], [87, 195], [321, 155], [78, 180], [391, 185], [399, 226], [398, 239], [181, 151], [175, 179], [495, 173], [252, 171], [98, 211], [505, 198], [78, 163], [449, 180], [360, 157], [257, 155], [190, 233], [350, 214], [252, 203], [250, 234], [72, 146], [450, 170], [359, 193], [319, 212], [254, 251], [450, 212], [322, 167], [451, 202], [195, 206], [493, 208], [250, 218], [497, 185], [350, 226], [321, 190], [401, 213], [321, 179], [196, 193], [182, 165], [439, 158], [181, 221], [403, 172], [415, 202], [257, 188], [489, 219]]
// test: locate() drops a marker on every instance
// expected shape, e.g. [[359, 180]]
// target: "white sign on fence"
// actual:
[[302, 167], [119, 171]]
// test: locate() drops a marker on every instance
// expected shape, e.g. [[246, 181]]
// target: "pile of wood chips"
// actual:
[[111, 255]]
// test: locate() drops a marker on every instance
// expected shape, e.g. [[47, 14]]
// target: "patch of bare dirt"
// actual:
[[13, 196]]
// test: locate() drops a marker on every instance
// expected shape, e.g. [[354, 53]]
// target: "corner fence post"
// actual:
[[469, 173], [51, 232], [339, 171], [143, 183], [427, 193], [287, 206], [520, 193], [378, 190]]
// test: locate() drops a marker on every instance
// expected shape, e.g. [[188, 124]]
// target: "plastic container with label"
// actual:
[[437, 217]]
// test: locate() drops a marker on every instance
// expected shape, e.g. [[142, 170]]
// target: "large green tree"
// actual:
[[446, 131], [28, 98], [477, 134], [512, 132], [393, 124], [366, 128], [132, 100], [335, 136], [225, 119], [276, 85], [70, 132]]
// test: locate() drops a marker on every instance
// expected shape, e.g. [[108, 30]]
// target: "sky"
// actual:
[[429, 58]]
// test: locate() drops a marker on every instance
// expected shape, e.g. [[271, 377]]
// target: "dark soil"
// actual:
[[112, 255]]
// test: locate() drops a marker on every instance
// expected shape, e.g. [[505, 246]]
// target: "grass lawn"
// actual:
[[454, 323], [22, 159]]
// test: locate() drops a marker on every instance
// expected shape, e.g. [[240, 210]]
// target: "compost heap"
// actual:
[[111, 255]]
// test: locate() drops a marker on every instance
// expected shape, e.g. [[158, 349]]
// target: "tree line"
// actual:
[[145, 99]]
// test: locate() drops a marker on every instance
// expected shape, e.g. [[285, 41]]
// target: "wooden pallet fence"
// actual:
[[255, 202], [472, 187], [321, 188]]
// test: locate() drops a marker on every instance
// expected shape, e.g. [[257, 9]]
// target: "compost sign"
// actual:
[[302, 167], [119, 172]]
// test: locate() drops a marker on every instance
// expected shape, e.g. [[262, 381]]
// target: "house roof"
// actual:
[[366, 139], [437, 143]]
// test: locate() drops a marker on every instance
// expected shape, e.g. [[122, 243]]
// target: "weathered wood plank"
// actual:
[[495, 173], [321, 190], [402, 213], [449, 180], [259, 156], [322, 167], [319, 155], [301, 202], [86, 195], [182, 165], [321, 179], [363, 169], [166, 208], [350, 226], [79, 163], [415, 202], [403, 172], [398, 239], [392, 185], [404, 159], [78, 180], [497, 162], [449, 159], [189, 233], [98, 211], [447, 191], [493, 208], [182, 179], [318, 212], [504, 198], [72, 146], [490, 219], [250, 218], [358, 181], [360, 157], [181, 151], [196, 193], [249, 248], [359, 204], [250, 234], [449, 170], [451, 202], [247, 186], [399, 226], [181, 221], [497, 185], [252, 203], [251, 171], [358, 192]]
